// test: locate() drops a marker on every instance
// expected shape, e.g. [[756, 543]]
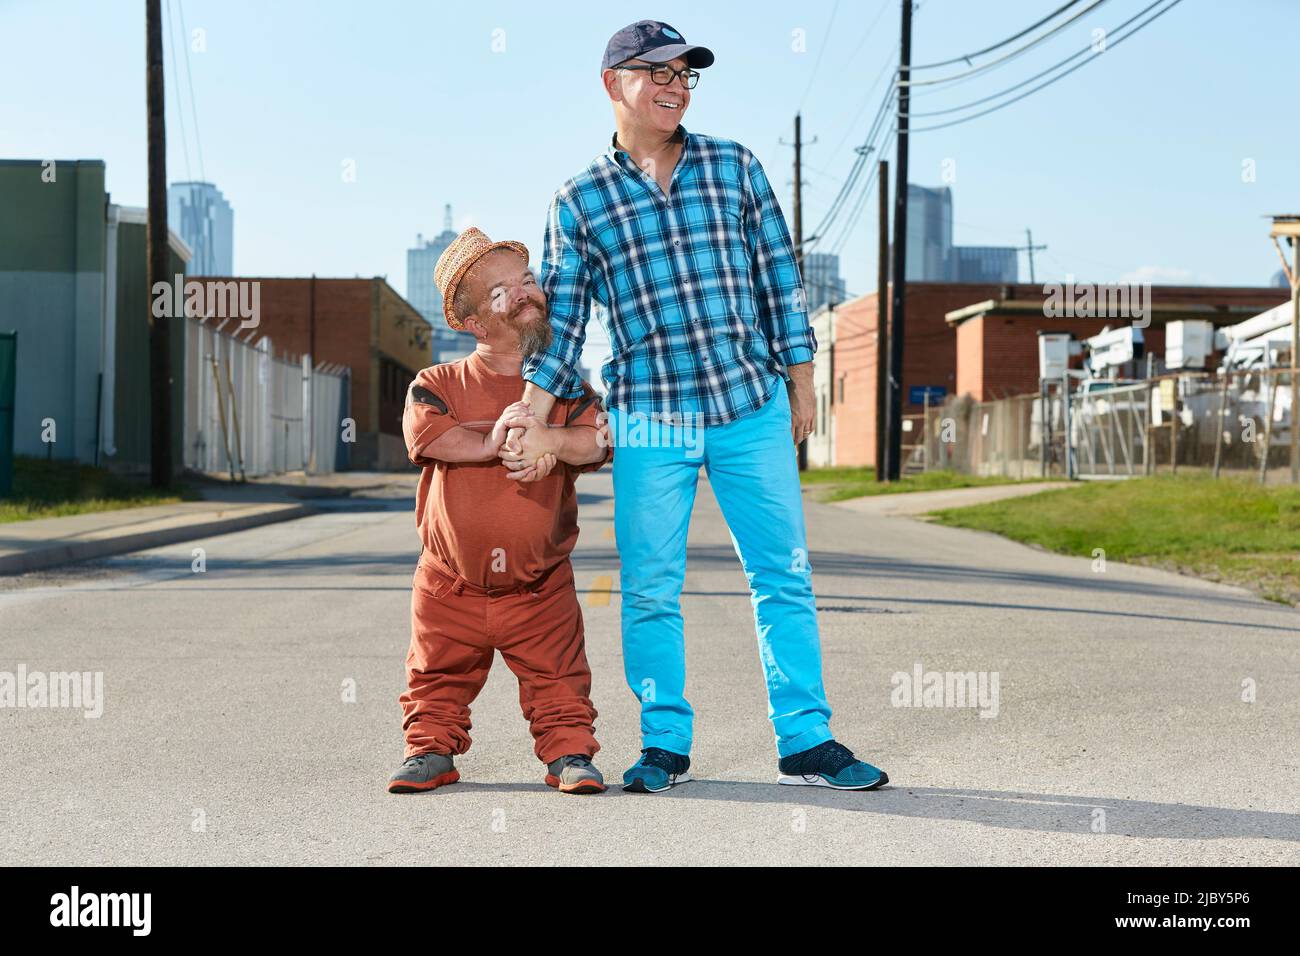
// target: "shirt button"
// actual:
[[677, 242]]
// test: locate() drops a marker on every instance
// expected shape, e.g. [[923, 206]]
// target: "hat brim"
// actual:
[[449, 297], [697, 57]]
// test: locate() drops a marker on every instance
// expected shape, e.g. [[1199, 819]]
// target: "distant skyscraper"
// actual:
[[931, 256], [821, 279], [448, 344], [1279, 279], [200, 215], [987, 264], [929, 234]]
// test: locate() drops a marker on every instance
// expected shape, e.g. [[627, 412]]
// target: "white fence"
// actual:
[[250, 413]]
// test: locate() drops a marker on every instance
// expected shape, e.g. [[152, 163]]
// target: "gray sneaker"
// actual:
[[574, 773], [423, 772]]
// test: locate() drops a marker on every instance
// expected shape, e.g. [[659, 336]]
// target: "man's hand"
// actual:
[[524, 472], [803, 405], [501, 431], [529, 451]]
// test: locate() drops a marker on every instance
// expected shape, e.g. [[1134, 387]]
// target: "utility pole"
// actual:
[[1288, 227], [899, 276], [1295, 354], [798, 192], [798, 241], [160, 372], [882, 317], [1031, 249]]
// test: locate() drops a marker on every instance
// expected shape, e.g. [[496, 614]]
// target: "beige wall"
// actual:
[[821, 442]]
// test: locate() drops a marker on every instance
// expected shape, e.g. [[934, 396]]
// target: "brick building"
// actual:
[[362, 324], [973, 338], [997, 349], [929, 359]]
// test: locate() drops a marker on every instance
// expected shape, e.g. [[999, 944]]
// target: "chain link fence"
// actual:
[[1238, 422], [251, 413]]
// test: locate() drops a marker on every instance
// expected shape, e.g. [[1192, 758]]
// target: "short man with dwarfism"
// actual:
[[494, 572], [679, 236]]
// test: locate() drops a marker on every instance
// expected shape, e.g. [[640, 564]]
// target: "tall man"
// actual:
[[681, 239]]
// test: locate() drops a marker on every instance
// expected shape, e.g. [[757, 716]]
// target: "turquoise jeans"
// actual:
[[753, 471]]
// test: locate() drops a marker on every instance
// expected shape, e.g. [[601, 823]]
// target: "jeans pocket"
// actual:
[[432, 582]]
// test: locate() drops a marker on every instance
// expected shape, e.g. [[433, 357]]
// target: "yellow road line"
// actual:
[[598, 596]]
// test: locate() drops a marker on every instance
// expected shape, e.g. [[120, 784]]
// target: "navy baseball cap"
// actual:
[[654, 42]]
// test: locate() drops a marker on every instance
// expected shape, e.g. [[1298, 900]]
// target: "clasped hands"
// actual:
[[524, 443]]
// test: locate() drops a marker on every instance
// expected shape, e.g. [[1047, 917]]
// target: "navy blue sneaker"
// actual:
[[831, 765], [657, 770]]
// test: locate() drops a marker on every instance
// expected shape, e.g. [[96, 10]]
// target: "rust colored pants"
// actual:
[[455, 630]]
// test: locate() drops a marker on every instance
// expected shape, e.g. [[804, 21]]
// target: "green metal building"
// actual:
[[73, 285]]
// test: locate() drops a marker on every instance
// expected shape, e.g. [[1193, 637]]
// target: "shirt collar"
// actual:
[[617, 153]]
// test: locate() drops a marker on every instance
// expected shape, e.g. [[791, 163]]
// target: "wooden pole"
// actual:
[[1295, 354], [160, 373], [1218, 435], [221, 408], [234, 417], [898, 306], [798, 241], [1271, 387], [882, 319], [1174, 422]]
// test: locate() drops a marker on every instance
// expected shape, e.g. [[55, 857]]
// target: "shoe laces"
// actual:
[[576, 760], [663, 759], [832, 756]]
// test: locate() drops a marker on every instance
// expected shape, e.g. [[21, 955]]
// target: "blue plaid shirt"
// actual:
[[703, 303]]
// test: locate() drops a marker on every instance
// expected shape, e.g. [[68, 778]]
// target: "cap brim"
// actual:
[[697, 57]]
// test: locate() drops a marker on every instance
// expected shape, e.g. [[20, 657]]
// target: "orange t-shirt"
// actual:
[[491, 530]]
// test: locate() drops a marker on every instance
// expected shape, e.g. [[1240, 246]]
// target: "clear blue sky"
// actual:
[[1130, 166]]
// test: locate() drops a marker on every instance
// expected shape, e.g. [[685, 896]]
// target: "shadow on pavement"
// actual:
[[1044, 812]]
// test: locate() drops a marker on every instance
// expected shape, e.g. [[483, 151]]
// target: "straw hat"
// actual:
[[465, 250]]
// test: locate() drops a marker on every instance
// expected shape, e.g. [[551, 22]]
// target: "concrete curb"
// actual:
[[57, 553]]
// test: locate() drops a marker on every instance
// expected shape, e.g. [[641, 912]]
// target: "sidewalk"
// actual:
[[33, 545], [921, 502]]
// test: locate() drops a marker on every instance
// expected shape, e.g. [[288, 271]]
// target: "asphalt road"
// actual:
[[1118, 733]]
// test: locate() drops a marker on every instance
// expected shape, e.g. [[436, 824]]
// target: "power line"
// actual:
[[176, 75], [867, 147], [884, 4], [821, 51], [1011, 39], [1109, 45], [1036, 76], [194, 110], [849, 127], [1008, 57], [863, 194], [863, 151]]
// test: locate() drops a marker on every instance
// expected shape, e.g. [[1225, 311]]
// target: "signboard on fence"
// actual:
[[1165, 401], [917, 394]]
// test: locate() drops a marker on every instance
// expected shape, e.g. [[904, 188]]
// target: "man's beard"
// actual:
[[534, 335]]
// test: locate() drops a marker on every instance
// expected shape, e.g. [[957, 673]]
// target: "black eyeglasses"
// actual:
[[663, 75]]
